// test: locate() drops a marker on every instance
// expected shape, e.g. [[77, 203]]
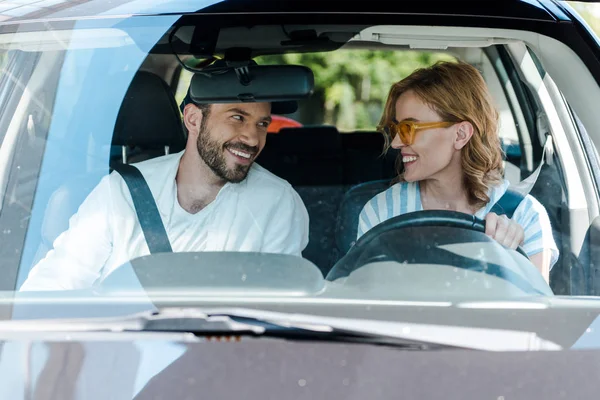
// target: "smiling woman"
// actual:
[[455, 96], [451, 159]]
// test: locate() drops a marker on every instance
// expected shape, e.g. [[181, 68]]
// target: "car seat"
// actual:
[[148, 125]]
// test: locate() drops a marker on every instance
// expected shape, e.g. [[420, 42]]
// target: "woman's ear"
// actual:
[[192, 118], [464, 133]]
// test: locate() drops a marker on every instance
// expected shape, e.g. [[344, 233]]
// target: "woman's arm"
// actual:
[[505, 231], [542, 262], [510, 234]]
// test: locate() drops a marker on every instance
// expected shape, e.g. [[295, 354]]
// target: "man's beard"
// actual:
[[213, 154]]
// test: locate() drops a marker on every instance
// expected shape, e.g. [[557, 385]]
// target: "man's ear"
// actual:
[[192, 119], [464, 133]]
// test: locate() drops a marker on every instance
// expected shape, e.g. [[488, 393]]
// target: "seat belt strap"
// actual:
[[146, 209], [514, 195], [525, 186], [508, 203]]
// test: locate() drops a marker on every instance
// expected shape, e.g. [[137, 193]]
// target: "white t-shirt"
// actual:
[[263, 213], [405, 197]]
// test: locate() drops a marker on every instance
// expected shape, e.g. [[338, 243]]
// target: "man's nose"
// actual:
[[397, 143], [250, 135]]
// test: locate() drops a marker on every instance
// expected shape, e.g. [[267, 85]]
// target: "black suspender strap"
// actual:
[[146, 210]]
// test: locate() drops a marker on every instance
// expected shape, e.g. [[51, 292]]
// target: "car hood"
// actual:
[[181, 367], [49, 363]]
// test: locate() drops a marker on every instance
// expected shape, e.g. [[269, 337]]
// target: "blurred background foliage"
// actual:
[[590, 13], [351, 85]]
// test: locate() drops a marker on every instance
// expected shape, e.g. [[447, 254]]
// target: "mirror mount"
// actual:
[[237, 78]]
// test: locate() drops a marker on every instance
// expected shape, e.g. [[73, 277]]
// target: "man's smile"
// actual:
[[240, 153], [243, 157]]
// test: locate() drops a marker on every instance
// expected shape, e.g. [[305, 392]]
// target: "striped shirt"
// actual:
[[405, 197]]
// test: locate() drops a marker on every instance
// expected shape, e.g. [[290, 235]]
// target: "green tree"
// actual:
[[351, 85], [590, 13]]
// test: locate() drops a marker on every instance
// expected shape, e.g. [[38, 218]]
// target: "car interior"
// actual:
[[336, 171]]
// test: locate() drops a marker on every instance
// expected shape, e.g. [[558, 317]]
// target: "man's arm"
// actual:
[[287, 232], [80, 252]]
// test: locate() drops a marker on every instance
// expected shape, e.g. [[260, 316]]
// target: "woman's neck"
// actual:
[[445, 193]]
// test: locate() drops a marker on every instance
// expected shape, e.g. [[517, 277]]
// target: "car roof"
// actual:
[[38, 10]]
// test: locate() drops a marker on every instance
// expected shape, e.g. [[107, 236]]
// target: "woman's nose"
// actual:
[[397, 142]]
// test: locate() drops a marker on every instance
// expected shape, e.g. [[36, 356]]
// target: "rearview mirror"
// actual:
[[253, 83]]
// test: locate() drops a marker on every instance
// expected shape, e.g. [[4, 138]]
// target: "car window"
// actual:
[[508, 133], [84, 102], [52, 129], [566, 168]]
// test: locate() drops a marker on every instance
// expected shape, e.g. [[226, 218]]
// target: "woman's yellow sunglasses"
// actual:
[[408, 129]]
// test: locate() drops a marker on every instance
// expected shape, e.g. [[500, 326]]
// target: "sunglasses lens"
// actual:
[[406, 132]]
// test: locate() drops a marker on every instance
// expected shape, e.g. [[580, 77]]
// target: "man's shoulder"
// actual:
[[259, 176], [159, 171], [158, 163], [156, 172]]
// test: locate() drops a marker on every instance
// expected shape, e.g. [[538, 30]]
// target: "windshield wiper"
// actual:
[[236, 323]]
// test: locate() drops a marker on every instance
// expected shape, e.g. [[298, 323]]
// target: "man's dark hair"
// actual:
[[205, 109]]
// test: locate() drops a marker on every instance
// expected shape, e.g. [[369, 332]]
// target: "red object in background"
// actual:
[[282, 122]]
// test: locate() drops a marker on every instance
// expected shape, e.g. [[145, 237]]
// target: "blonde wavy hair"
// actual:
[[457, 92]]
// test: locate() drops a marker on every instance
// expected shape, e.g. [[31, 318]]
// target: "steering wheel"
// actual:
[[451, 219], [356, 256]]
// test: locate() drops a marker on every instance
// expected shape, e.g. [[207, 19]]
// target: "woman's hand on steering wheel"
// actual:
[[504, 230]]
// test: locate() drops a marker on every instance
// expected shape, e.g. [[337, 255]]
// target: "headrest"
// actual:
[[149, 116], [363, 141], [352, 204], [312, 139]]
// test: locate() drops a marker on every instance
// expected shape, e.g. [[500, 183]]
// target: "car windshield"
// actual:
[[291, 162]]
